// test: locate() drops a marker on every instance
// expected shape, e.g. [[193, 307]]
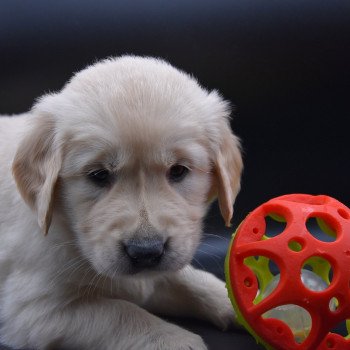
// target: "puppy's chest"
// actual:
[[135, 291]]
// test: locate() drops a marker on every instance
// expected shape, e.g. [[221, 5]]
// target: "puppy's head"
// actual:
[[131, 152]]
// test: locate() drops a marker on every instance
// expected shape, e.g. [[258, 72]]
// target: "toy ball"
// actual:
[[288, 273]]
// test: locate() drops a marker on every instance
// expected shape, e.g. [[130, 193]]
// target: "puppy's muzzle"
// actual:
[[145, 252]]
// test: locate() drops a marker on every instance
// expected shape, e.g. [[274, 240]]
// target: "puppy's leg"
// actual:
[[192, 292], [95, 325]]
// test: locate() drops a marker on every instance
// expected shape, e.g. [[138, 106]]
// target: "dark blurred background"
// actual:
[[285, 65]]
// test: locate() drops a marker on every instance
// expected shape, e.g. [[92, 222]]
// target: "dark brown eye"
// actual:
[[177, 173], [100, 177]]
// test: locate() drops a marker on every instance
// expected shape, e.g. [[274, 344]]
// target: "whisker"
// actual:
[[71, 263], [197, 262], [92, 286], [82, 284], [113, 281], [203, 276], [211, 235], [212, 255], [76, 269], [213, 246]]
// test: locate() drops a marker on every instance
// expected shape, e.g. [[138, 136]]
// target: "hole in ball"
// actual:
[[295, 245], [295, 317], [275, 224], [344, 214], [321, 229]]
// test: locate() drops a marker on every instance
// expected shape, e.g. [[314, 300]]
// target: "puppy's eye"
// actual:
[[101, 177], [177, 173]]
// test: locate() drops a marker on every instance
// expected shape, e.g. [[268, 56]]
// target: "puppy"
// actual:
[[104, 186]]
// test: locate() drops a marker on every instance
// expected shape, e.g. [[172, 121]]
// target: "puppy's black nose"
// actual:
[[145, 252]]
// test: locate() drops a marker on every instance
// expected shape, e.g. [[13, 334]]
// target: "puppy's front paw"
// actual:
[[221, 312], [214, 305], [172, 337]]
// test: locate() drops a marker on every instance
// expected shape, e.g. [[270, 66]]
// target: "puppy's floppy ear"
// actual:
[[226, 158], [36, 167], [227, 171]]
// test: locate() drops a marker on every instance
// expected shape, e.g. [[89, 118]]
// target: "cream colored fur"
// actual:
[[65, 281]]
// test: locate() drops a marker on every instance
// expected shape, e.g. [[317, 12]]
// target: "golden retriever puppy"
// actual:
[[104, 186]]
